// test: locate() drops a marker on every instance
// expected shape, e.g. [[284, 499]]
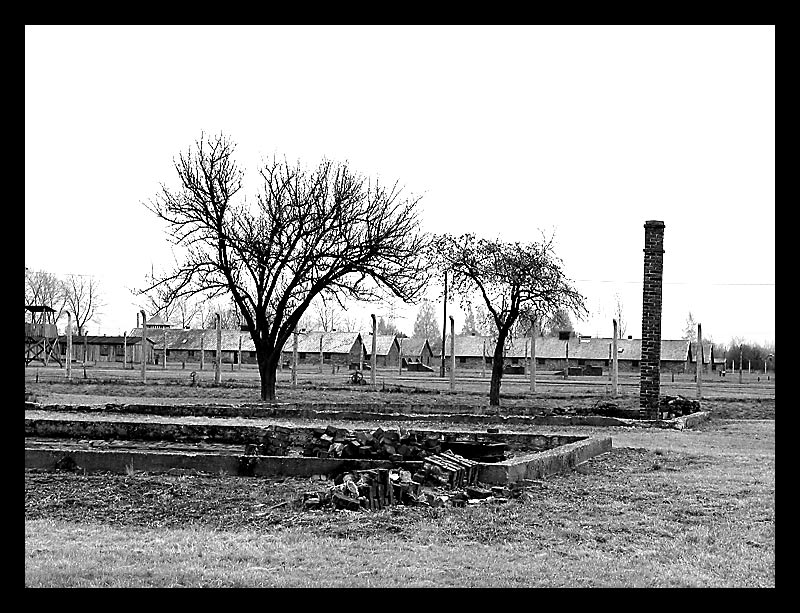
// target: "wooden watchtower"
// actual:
[[41, 339]]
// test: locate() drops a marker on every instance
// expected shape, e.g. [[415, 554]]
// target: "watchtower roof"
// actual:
[[39, 308]]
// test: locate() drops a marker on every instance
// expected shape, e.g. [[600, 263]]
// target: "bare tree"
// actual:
[[512, 279], [45, 288], [83, 299], [325, 231], [185, 312], [349, 323], [622, 324], [326, 315], [158, 299], [229, 318]]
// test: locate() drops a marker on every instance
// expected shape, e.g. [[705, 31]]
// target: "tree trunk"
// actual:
[[267, 370], [497, 371]]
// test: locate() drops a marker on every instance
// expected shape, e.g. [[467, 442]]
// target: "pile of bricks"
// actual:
[[448, 469], [275, 441], [332, 442], [379, 488], [372, 489], [671, 406]]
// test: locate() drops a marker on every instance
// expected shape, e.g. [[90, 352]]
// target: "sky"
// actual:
[[511, 132]]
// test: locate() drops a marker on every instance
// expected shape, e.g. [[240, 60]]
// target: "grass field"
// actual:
[[664, 508]]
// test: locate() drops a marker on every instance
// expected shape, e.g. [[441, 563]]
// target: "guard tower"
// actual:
[[41, 339]]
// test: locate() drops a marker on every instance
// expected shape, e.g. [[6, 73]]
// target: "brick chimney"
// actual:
[[650, 362]]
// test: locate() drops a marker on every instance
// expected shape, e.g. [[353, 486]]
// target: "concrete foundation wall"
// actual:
[[529, 466], [121, 462], [540, 465], [299, 437]]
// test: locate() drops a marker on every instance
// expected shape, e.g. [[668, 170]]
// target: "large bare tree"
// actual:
[[83, 299], [324, 231], [513, 280]]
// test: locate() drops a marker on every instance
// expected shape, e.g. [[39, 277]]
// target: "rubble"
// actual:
[[332, 442], [275, 441], [677, 406], [378, 488]]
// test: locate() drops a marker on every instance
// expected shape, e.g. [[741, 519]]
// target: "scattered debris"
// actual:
[[677, 406], [378, 488]]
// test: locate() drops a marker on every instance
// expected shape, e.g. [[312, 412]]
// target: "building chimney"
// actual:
[[650, 362]]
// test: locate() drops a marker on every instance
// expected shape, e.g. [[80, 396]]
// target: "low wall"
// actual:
[[530, 466], [299, 437], [121, 462], [539, 465], [460, 414]]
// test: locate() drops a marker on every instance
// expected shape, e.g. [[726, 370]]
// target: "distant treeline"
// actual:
[[753, 353]]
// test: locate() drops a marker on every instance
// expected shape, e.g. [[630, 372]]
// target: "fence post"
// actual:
[[615, 362], [294, 358], [144, 348], [374, 358], [699, 359], [444, 325], [69, 346], [453, 354], [741, 363], [218, 365], [533, 355]]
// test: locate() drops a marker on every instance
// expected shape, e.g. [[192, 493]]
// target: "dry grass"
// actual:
[[632, 517]]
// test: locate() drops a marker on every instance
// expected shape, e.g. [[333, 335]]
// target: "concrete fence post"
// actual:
[[699, 360], [741, 363], [144, 347], [374, 357], [453, 354], [218, 365], [294, 358], [69, 346]]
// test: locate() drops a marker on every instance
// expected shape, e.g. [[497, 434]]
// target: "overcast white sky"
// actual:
[[507, 131]]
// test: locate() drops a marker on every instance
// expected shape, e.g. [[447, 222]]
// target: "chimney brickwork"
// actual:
[[650, 363]]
